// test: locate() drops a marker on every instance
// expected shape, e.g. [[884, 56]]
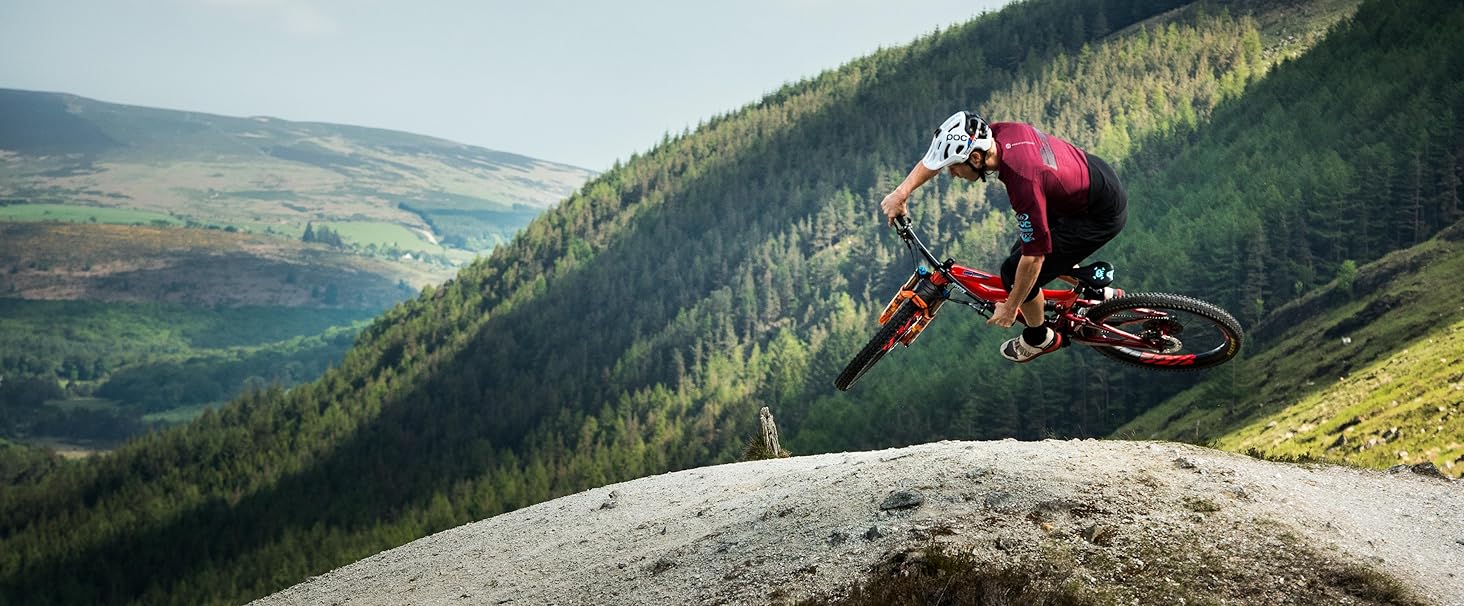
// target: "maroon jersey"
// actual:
[[1044, 177]]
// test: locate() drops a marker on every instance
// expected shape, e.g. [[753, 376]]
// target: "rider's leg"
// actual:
[[1037, 338], [1032, 310]]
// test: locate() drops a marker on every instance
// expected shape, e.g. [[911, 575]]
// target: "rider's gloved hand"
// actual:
[[894, 205]]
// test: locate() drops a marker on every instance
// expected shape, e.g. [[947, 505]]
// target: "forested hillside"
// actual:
[[637, 327], [98, 373]]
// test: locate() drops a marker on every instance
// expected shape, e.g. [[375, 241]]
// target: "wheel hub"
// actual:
[[1164, 334]]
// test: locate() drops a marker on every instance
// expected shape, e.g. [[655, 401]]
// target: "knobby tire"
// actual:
[[877, 346]]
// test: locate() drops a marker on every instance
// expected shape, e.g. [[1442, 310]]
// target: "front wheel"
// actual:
[[888, 336], [1180, 333]]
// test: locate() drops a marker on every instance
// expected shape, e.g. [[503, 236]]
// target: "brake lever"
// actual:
[[902, 226]]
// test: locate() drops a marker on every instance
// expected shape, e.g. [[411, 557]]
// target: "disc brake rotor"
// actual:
[[1164, 333]]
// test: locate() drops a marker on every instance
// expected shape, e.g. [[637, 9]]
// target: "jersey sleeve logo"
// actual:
[[1024, 227]]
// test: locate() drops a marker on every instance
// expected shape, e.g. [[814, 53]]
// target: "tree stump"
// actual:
[[769, 432]]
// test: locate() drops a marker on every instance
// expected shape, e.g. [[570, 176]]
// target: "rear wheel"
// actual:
[[888, 336], [1182, 333]]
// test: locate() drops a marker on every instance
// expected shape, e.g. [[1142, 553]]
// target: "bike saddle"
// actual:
[[1094, 275]]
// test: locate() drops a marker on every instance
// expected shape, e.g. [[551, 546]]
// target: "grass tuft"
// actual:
[[935, 578]]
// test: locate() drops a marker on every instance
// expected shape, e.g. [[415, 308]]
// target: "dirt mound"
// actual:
[[1098, 521]]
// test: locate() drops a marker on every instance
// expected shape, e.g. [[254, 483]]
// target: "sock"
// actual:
[[1035, 337]]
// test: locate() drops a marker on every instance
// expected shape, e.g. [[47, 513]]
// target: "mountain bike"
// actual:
[[1151, 330]]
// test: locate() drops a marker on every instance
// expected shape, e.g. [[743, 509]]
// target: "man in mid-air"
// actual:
[[1068, 204]]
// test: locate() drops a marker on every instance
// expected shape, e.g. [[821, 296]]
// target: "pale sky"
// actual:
[[511, 76]]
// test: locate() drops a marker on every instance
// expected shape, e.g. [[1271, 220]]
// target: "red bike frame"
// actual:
[[986, 289]]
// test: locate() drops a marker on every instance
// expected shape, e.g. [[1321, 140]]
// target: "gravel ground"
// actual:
[[782, 530]]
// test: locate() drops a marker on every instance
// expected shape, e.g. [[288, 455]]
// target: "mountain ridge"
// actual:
[[270, 175]]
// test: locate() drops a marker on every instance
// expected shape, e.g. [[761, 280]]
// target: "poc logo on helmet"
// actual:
[[962, 137]]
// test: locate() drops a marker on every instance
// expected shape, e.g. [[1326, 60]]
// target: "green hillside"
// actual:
[[188, 317], [112, 204], [638, 326], [114, 370], [1367, 370]]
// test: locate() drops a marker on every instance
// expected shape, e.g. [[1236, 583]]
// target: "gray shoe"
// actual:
[[1017, 350]]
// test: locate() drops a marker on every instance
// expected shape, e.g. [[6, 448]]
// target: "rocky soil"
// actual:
[[1130, 522]]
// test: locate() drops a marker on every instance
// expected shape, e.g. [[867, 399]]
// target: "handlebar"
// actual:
[[901, 223]]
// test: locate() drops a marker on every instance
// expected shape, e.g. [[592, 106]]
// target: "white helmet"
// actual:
[[961, 134]]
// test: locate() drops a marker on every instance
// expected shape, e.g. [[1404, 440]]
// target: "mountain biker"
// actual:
[[1068, 204]]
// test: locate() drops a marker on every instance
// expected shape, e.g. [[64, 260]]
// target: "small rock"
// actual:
[[873, 533], [902, 500], [1005, 544], [1425, 469], [837, 538], [1051, 509], [1459, 541], [1428, 469], [979, 474], [1099, 534], [662, 565], [997, 498], [612, 502], [1185, 463]]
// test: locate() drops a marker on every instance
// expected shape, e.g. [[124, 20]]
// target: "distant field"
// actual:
[[110, 262], [366, 233], [72, 449], [80, 214], [83, 404], [182, 414]]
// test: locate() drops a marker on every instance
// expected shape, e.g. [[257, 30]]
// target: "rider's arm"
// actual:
[[917, 177], [894, 204]]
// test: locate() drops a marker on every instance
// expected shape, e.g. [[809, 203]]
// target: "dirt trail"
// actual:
[[782, 530]]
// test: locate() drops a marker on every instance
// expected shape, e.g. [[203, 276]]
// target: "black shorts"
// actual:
[[1075, 238]]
